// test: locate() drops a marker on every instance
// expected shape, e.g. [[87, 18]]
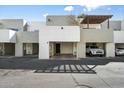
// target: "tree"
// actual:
[[82, 15]]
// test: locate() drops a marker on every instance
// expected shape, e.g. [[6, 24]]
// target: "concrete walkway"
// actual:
[[27, 72]]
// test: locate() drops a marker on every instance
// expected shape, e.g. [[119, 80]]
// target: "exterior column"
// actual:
[[51, 49], [19, 49], [74, 48], [110, 50], [44, 50], [81, 50]]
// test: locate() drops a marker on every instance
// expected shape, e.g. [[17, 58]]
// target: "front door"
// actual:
[[57, 48]]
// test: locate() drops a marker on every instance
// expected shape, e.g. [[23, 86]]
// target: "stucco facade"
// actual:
[[59, 35]]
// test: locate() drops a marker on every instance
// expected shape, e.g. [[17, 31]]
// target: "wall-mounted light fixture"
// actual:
[[62, 28], [49, 20]]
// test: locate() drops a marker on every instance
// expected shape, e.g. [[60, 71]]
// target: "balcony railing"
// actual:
[[7, 35], [96, 35], [60, 33], [119, 36]]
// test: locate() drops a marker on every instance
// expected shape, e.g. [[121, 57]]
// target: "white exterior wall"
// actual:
[[35, 26], [122, 25], [81, 50], [7, 36], [66, 48], [12, 23], [19, 49], [96, 35], [119, 39], [115, 25], [92, 26], [56, 34], [12, 36], [51, 49], [24, 37], [4, 35], [61, 20], [19, 45], [28, 37], [44, 50], [110, 49], [69, 34], [118, 36], [104, 25], [75, 49]]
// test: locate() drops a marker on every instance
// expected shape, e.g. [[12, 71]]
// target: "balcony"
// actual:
[[7, 36], [60, 34], [96, 35], [28, 37], [119, 36]]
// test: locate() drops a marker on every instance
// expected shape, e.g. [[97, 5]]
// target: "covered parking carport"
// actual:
[[119, 40], [119, 45], [7, 42], [119, 49], [7, 49], [98, 48], [94, 32]]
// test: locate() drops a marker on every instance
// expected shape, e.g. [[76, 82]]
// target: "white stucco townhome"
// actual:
[[60, 35]]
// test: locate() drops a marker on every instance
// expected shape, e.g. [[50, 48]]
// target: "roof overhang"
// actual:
[[95, 19]]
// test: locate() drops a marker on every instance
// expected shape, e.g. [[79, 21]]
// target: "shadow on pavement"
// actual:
[[56, 66]]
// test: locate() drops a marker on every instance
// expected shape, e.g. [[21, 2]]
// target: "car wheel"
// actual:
[[90, 54], [116, 54]]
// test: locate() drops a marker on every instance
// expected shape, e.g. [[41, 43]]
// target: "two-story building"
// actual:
[[66, 36]]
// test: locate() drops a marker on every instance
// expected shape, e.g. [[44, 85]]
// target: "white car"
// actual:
[[119, 51], [94, 50]]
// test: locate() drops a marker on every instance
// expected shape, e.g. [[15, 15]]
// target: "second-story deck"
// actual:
[[96, 35], [7, 36]]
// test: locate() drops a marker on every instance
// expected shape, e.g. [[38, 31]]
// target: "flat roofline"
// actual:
[[62, 15], [12, 19]]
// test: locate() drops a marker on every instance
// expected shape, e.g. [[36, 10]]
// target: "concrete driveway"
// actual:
[[28, 72]]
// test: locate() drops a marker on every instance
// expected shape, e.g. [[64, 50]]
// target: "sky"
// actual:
[[39, 12]]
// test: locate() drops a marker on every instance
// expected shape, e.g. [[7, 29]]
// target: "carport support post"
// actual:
[[81, 50], [44, 50], [19, 49], [110, 50]]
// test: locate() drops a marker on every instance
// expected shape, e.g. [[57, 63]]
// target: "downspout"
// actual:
[[108, 23]]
